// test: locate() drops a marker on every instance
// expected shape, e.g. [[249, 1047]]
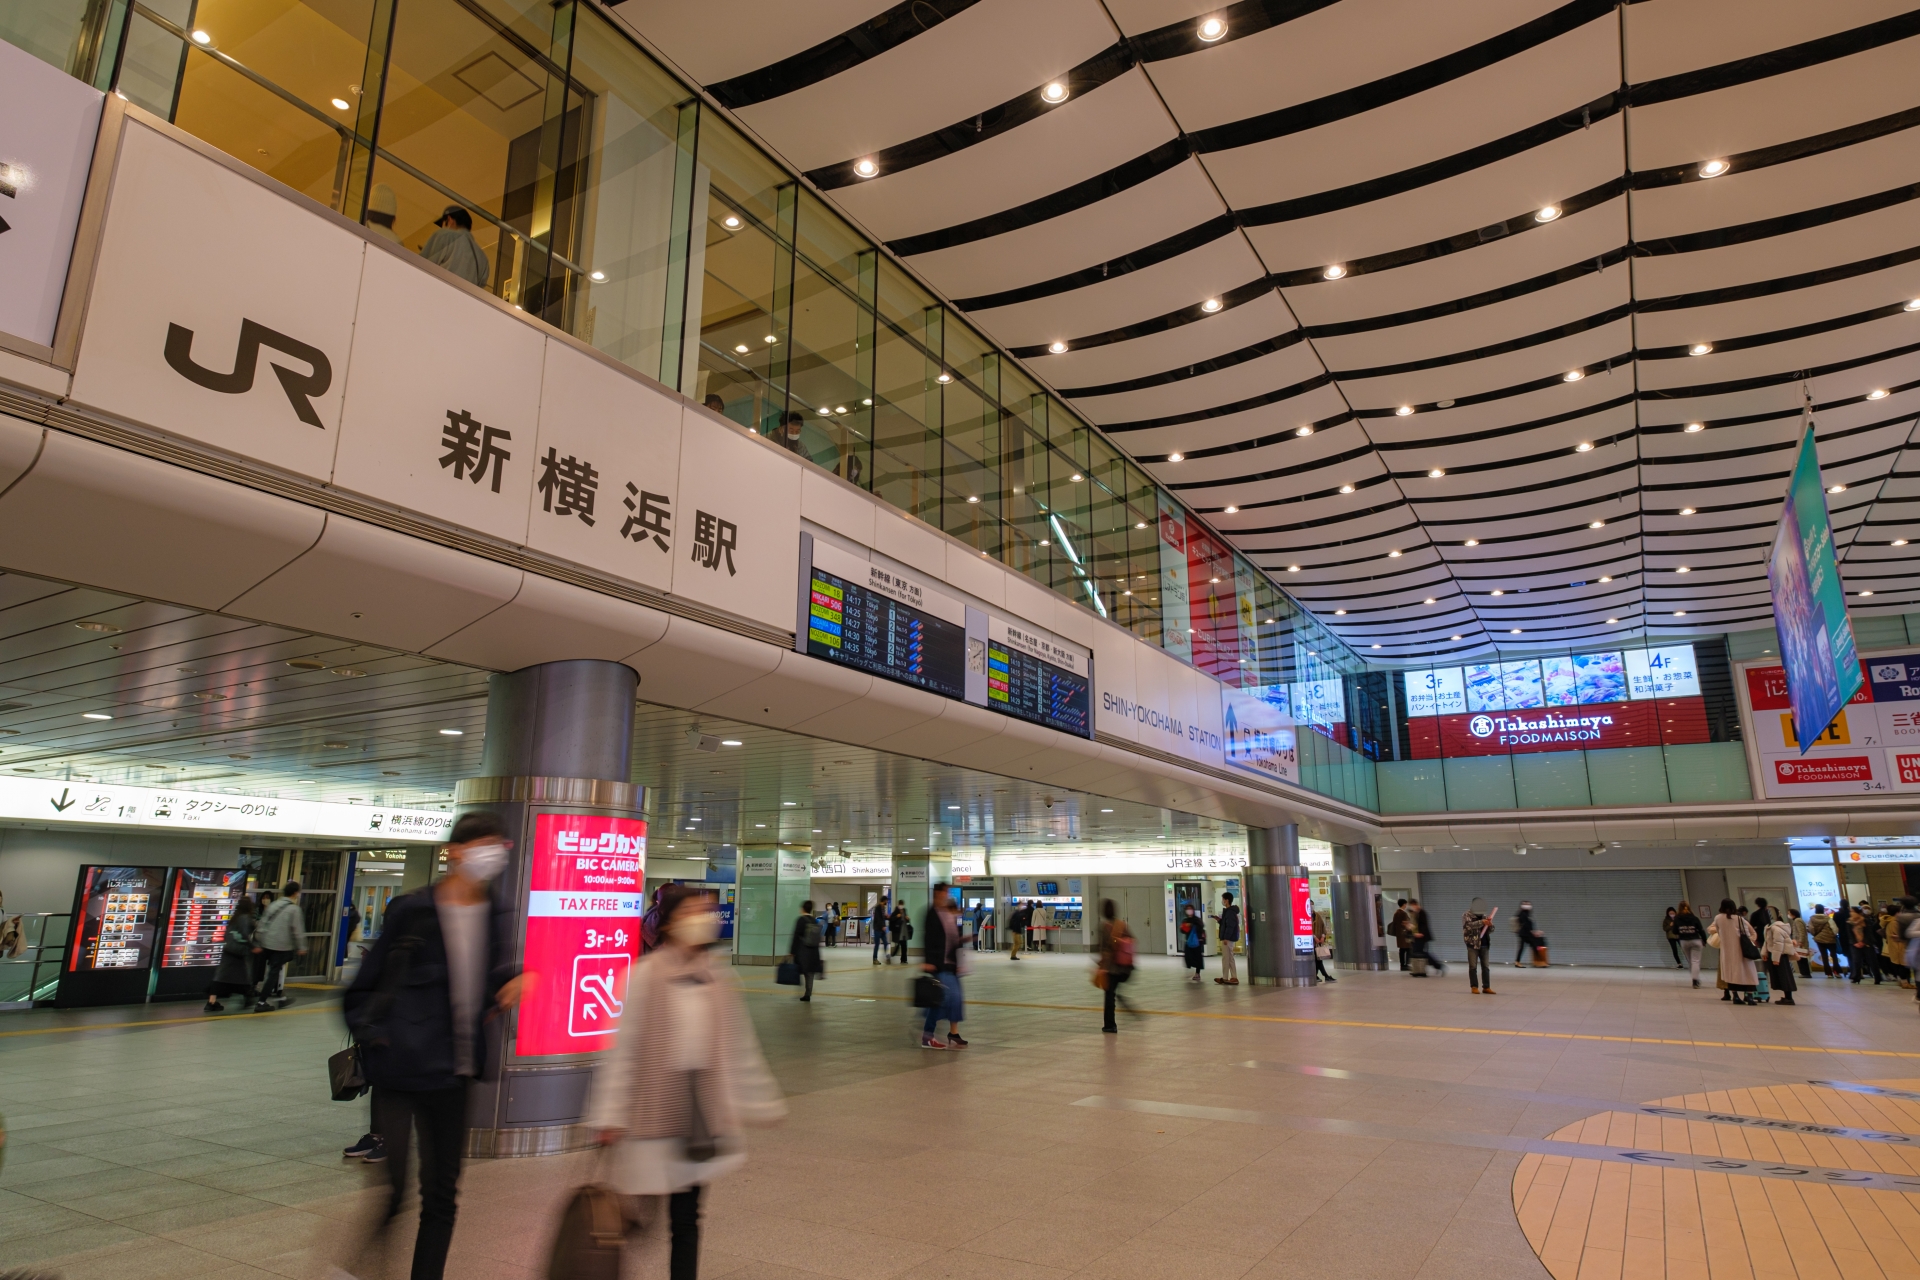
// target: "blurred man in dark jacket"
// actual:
[[442, 966], [940, 950]]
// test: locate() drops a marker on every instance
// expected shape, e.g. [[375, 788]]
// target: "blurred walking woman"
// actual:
[[684, 1079], [234, 977]]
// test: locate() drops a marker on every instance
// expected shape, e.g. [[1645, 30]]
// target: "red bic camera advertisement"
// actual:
[[586, 894]]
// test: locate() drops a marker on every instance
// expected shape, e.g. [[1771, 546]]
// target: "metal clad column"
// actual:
[[1359, 938], [1273, 863], [559, 741]]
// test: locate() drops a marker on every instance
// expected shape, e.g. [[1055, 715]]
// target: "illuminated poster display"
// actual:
[[586, 894], [1300, 890], [111, 942], [200, 900]]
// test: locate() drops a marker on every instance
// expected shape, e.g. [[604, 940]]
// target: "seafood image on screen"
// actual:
[[1559, 682], [1600, 677]]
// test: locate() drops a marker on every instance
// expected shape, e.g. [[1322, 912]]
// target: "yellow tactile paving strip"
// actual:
[[1598, 1220]]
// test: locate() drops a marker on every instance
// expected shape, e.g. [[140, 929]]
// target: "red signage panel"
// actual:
[[1767, 688], [1301, 892], [1821, 769], [586, 894]]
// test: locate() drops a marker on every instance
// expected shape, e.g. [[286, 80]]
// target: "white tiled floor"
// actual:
[[208, 1147]]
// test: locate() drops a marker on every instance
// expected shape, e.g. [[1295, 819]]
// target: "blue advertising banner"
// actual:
[[1810, 604]]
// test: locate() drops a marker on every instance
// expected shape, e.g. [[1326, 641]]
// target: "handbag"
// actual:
[[1748, 947], [787, 975], [929, 992], [345, 1076], [1323, 952], [590, 1237]]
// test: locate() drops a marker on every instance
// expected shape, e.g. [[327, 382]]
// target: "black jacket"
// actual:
[[1688, 928], [804, 946], [934, 942], [400, 1007], [1230, 924]]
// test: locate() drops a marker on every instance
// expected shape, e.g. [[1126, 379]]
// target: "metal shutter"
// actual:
[[1589, 917]]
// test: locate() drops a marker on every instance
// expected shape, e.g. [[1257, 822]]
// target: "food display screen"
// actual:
[[119, 918], [1028, 676], [885, 624], [201, 899]]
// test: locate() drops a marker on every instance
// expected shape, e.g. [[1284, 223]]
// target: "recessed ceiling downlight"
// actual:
[[865, 167], [1212, 29], [1055, 92], [1713, 168]]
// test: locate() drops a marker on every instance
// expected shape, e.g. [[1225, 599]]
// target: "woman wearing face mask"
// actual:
[[443, 964], [684, 1078]]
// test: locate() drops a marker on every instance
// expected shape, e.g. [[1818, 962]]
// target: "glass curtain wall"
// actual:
[[532, 149]]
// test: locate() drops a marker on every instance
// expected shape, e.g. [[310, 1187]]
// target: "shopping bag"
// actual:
[[590, 1237]]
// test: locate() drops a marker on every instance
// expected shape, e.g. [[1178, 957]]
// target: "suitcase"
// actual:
[[1418, 965], [1763, 989], [591, 1236]]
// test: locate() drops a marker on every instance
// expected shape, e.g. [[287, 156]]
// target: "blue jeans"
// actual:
[[953, 1010]]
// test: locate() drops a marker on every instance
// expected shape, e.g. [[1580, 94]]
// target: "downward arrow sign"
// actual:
[[63, 804]]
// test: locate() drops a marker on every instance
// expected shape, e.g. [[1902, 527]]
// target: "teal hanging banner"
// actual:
[[1810, 604]]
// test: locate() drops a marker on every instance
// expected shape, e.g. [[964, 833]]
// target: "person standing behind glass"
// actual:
[[685, 1078], [804, 947], [454, 249], [234, 977], [442, 966], [1692, 936]]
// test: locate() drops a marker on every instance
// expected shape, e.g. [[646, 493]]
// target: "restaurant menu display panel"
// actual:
[[888, 624], [111, 944], [586, 893], [893, 623], [199, 902], [1870, 747]]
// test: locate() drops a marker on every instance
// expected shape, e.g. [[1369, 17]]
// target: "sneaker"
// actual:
[[366, 1146], [954, 1040], [929, 1042], [379, 1153]]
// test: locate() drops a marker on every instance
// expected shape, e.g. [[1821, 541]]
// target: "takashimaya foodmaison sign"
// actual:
[[1584, 701]]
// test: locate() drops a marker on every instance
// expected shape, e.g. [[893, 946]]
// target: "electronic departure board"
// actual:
[[885, 622], [110, 944], [1037, 677]]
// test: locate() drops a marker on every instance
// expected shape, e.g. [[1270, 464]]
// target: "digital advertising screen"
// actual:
[[200, 900], [1300, 892], [586, 894], [885, 622], [1038, 677], [118, 918]]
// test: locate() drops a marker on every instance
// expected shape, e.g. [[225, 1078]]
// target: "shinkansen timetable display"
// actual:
[[860, 614], [892, 623]]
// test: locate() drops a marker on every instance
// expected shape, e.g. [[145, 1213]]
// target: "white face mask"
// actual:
[[483, 863], [696, 927]]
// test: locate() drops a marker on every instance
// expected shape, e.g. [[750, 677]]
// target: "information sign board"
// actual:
[[885, 622]]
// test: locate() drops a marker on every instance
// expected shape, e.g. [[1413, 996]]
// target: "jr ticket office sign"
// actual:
[[1871, 748]]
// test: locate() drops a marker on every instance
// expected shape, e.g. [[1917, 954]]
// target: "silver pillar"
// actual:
[[1359, 934], [1273, 863], [559, 740]]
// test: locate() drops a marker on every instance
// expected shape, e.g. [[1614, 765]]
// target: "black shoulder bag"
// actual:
[[346, 1072]]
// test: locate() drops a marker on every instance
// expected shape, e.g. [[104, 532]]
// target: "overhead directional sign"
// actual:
[[50, 800]]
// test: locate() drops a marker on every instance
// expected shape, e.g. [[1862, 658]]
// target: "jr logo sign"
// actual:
[[301, 388]]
